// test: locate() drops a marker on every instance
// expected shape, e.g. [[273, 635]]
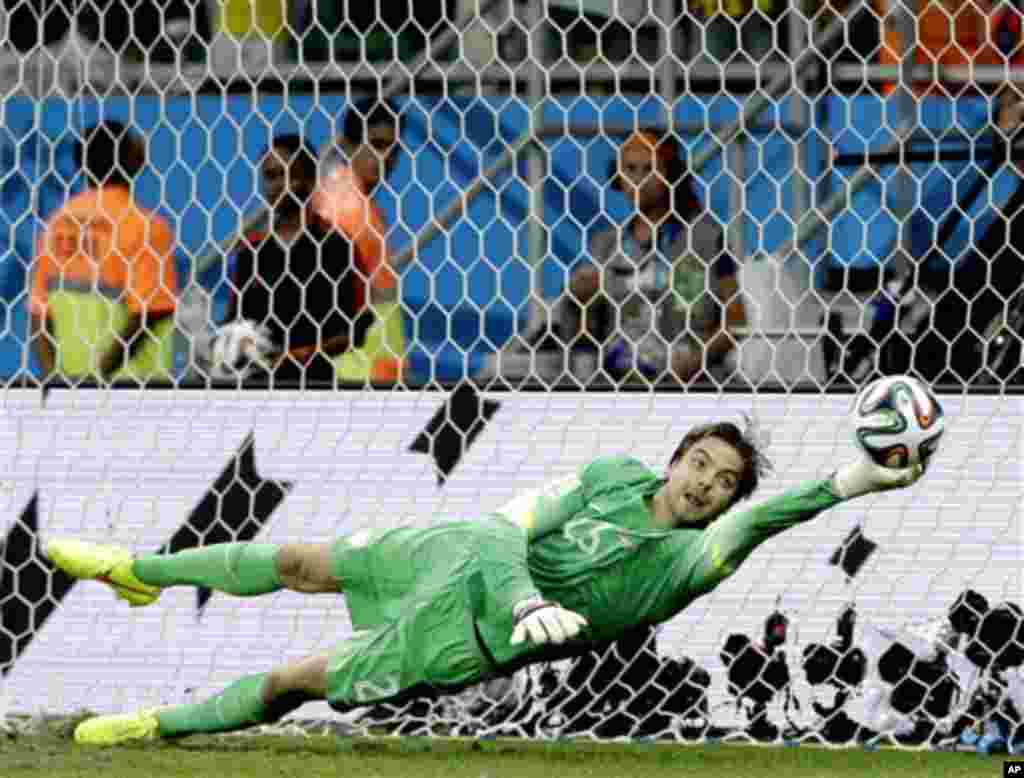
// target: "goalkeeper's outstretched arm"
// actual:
[[731, 539]]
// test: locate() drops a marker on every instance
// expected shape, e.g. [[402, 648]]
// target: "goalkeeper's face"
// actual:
[[702, 483]]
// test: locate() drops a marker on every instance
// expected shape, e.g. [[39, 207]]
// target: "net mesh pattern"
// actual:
[[212, 206]]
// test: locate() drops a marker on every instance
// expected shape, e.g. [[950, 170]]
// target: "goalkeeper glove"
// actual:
[[864, 477], [543, 622], [239, 347]]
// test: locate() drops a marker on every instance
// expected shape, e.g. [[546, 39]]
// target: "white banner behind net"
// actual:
[[134, 468]]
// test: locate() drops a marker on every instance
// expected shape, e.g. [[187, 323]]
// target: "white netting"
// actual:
[[605, 222]]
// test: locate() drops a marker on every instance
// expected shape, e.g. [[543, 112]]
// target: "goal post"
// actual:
[[830, 234]]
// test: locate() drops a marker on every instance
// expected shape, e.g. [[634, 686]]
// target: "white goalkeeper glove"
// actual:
[[239, 348], [864, 477], [540, 622]]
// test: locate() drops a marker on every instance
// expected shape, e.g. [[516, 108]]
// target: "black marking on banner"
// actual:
[[853, 553], [31, 588], [453, 429], [235, 509]]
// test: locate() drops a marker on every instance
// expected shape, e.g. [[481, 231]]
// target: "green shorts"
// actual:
[[413, 595]]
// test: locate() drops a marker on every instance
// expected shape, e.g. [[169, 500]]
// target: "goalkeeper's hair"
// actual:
[[748, 442]]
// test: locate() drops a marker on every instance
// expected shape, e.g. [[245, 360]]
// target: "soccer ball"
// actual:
[[898, 421]]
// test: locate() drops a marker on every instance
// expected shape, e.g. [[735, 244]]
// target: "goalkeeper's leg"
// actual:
[[248, 702], [430, 646], [427, 651], [241, 569]]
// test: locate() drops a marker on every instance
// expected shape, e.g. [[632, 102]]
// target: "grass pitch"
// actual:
[[56, 756]]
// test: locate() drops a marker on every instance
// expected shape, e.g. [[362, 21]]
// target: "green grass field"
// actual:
[[56, 756]]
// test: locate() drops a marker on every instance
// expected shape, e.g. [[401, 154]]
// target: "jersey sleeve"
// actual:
[[611, 473], [502, 552], [544, 510], [513, 527], [540, 512], [724, 545]]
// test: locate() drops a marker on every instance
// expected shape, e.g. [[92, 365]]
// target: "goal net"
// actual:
[[391, 266]]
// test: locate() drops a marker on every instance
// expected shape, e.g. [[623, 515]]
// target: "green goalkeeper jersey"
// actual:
[[591, 544]]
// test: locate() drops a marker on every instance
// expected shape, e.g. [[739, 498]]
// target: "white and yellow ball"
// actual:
[[898, 421]]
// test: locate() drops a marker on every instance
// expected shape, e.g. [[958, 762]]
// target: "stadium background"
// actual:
[[80, 464], [464, 292]]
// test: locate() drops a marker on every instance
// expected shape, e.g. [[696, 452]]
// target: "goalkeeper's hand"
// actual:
[[540, 622], [864, 477]]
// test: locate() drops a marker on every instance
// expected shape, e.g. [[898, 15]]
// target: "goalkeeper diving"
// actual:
[[577, 563]]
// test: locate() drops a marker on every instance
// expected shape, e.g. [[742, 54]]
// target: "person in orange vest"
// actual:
[[352, 168], [954, 33], [104, 284]]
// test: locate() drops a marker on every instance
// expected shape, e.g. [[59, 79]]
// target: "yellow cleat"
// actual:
[[111, 730], [108, 564]]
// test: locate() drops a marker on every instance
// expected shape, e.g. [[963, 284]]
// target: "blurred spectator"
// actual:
[[104, 285], [296, 281], [955, 33], [659, 295], [351, 170]]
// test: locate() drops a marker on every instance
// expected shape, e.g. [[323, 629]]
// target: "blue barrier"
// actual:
[[467, 291]]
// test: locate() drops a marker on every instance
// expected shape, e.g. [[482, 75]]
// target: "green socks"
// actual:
[[242, 569], [238, 706]]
